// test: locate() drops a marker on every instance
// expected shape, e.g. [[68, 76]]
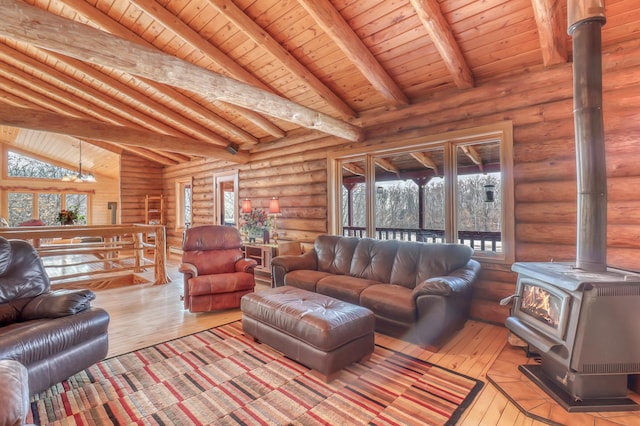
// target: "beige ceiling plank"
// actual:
[[442, 37], [108, 146], [332, 22], [81, 128], [107, 24], [266, 41], [31, 25], [552, 30], [426, 161]]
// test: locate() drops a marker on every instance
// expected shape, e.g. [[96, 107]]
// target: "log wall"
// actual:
[[539, 102], [139, 177]]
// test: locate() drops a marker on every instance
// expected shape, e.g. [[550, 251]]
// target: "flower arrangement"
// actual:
[[255, 222], [67, 217]]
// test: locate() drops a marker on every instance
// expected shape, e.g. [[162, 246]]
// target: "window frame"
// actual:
[[181, 220], [409, 142]]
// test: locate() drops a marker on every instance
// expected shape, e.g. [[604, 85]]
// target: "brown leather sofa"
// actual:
[[417, 291], [54, 334]]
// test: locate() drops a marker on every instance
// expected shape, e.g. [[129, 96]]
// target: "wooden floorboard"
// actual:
[[146, 314]]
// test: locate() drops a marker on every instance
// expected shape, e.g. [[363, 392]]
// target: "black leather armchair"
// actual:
[[54, 334]]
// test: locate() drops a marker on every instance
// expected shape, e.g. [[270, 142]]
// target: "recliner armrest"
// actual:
[[189, 269], [246, 265], [58, 303], [458, 281]]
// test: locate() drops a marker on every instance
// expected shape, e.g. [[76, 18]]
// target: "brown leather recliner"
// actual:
[[216, 274], [54, 334]]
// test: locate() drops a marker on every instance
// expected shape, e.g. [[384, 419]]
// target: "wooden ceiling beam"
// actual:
[[426, 161], [149, 155], [31, 25], [552, 30], [388, 165], [260, 36], [332, 22], [353, 168], [124, 111], [473, 154], [82, 128], [34, 101], [157, 110], [442, 37], [103, 21]]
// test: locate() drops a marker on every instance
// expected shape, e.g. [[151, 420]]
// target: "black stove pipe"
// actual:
[[586, 18]]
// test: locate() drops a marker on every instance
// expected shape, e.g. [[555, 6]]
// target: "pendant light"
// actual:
[[79, 176]]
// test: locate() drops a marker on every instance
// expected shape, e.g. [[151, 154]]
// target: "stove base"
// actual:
[[566, 401]]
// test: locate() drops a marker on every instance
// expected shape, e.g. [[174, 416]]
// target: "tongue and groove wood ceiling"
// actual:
[[178, 79]]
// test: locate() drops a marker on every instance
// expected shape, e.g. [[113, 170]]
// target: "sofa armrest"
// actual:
[[280, 265], [58, 303], [246, 265], [189, 270], [458, 281], [14, 393]]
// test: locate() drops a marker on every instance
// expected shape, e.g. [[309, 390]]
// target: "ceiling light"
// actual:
[[79, 176]]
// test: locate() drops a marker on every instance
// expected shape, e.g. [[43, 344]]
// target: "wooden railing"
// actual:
[[475, 239], [114, 248]]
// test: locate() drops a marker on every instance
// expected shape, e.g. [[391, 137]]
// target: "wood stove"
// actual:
[[582, 318], [583, 326]]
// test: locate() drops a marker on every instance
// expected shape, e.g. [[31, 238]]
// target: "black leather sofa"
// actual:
[[420, 292], [54, 334]]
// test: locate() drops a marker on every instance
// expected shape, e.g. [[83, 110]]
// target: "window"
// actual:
[[455, 187], [226, 201], [19, 165], [183, 204], [24, 205]]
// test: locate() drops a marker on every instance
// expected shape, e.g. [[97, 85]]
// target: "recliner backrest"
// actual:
[[213, 249]]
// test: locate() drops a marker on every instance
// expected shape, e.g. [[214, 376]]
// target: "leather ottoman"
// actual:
[[318, 331]]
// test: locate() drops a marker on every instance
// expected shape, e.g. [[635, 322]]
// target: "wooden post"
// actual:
[[160, 257]]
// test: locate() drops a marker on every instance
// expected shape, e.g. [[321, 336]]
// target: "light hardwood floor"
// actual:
[[143, 315]]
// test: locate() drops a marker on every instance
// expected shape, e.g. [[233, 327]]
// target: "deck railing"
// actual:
[[484, 241], [109, 249]]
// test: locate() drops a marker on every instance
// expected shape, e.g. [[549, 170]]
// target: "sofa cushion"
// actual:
[[334, 253], [343, 287], [373, 259], [390, 301], [405, 264], [305, 279]]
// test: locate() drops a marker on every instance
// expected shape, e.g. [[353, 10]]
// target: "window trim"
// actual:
[[180, 201], [408, 141]]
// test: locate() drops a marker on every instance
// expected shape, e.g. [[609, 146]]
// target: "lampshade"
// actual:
[[274, 206], [246, 206]]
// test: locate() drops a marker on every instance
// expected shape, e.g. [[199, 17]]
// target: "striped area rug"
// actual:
[[221, 377]]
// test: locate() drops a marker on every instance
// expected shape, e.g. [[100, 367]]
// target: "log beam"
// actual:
[[33, 26], [332, 22], [259, 36], [81, 128], [551, 30], [438, 28]]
